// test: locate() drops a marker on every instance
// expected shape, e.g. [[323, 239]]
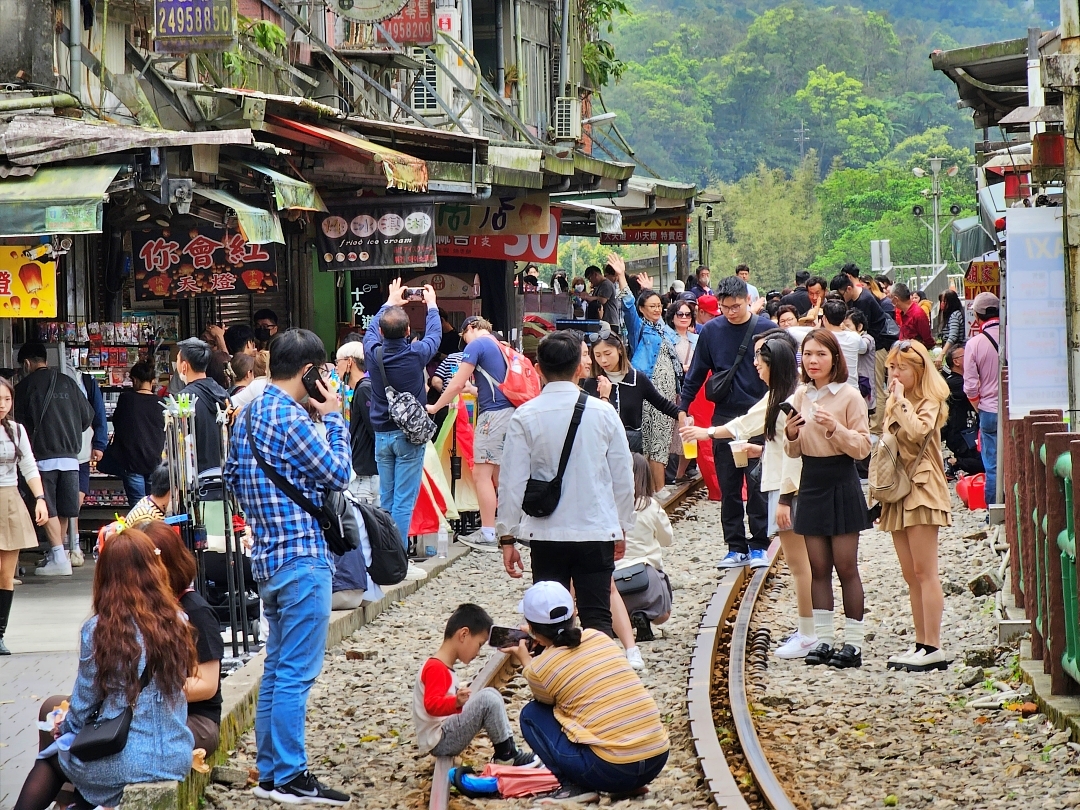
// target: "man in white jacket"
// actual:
[[579, 542]]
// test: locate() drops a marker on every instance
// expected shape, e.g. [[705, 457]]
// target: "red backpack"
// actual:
[[522, 382]]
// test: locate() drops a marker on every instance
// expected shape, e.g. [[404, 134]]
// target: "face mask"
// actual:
[[579, 288], [262, 333]]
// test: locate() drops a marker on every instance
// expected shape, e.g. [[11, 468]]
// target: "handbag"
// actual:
[[635, 439], [632, 579], [405, 410], [890, 481], [718, 386], [104, 738], [337, 517], [541, 498], [109, 464]]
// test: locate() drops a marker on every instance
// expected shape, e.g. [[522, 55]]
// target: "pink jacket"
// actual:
[[981, 368]]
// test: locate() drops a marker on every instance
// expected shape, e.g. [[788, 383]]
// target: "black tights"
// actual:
[[842, 553], [42, 786]]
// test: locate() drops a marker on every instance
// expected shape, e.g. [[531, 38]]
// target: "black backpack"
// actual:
[[389, 561]]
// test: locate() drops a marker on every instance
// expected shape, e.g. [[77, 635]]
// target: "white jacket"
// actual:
[[779, 470], [597, 501], [652, 530]]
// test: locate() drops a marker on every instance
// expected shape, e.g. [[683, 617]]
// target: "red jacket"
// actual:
[[914, 325]]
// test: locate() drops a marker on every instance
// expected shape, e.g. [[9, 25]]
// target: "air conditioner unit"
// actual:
[[567, 118]]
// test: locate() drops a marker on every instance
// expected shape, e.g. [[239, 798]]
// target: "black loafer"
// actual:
[[846, 658], [640, 622], [821, 654]]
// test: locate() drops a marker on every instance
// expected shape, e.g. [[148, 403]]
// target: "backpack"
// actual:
[[522, 383], [405, 411], [389, 561], [889, 481]]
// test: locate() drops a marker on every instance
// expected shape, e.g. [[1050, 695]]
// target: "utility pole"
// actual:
[[802, 137], [935, 193]]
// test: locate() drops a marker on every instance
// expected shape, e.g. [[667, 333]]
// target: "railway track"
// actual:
[[719, 710], [499, 668]]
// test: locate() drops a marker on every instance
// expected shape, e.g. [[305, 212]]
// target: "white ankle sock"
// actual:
[[488, 533], [59, 554], [853, 633], [823, 626], [806, 626]]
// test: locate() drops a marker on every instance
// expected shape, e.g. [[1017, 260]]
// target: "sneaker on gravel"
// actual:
[[520, 759], [479, 542], [263, 790], [759, 558], [633, 655], [571, 793], [415, 573], [922, 661], [797, 646], [53, 568], [734, 559], [306, 789]]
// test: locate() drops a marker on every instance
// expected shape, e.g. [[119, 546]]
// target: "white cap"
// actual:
[[547, 603], [678, 286]]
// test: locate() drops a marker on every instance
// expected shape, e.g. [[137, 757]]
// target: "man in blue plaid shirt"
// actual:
[[290, 558]]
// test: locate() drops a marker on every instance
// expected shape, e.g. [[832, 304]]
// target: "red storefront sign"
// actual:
[[665, 231], [413, 25], [539, 248]]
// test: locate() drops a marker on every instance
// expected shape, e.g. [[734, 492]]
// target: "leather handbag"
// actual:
[[104, 738], [542, 497], [632, 579]]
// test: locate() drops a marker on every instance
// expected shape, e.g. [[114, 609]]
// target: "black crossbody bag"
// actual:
[[542, 497], [718, 386], [104, 738]]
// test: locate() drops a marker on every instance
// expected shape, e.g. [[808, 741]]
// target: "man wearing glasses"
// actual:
[[719, 342]]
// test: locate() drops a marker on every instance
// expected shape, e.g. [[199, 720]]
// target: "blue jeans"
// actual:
[[401, 467], [988, 429], [136, 486], [577, 764], [296, 602]]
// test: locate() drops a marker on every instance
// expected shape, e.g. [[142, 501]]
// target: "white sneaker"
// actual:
[[663, 494], [633, 655], [797, 646], [53, 568], [77, 559], [415, 573], [479, 542]]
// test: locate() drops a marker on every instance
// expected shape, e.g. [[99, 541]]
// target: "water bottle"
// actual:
[[443, 544]]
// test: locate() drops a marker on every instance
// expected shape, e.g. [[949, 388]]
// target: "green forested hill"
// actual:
[[718, 91]]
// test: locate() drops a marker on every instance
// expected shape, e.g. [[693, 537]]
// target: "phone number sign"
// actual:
[[413, 25], [183, 26]]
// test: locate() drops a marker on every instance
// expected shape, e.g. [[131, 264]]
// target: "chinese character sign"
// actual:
[[199, 260], [413, 25], [382, 237], [542, 248], [665, 231], [27, 287], [982, 277], [502, 216]]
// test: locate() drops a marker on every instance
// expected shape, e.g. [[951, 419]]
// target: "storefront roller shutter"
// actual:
[[232, 309]]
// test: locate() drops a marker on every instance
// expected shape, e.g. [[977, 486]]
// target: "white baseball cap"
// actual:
[[547, 603]]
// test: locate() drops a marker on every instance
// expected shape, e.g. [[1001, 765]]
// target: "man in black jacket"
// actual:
[[352, 371], [191, 364], [55, 413], [799, 297]]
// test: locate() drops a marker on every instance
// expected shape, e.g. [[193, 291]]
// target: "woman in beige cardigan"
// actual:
[[916, 409]]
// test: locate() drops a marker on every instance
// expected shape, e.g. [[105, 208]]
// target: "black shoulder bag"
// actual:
[[104, 738], [337, 519], [542, 497], [718, 386]]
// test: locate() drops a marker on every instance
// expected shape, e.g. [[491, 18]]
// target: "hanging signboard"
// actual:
[[982, 277], [665, 230], [1036, 337], [27, 287], [502, 216], [413, 25], [197, 260], [389, 235], [367, 11], [538, 248], [184, 26]]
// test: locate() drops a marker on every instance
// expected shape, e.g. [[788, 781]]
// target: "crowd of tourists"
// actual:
[[813, 393]]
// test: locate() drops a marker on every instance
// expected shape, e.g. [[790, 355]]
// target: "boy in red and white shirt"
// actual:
[[447, 717]]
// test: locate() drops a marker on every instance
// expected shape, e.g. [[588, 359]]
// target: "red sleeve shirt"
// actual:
[[916, 326], [438, 679]]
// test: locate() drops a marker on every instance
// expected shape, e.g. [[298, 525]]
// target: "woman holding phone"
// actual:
[[774, 359], [915, 412], [830, 416]]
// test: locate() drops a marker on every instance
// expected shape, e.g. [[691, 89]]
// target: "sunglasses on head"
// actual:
[[601, 334], [906, 346]]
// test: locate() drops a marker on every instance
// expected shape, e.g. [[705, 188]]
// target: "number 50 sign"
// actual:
[[539, 248]]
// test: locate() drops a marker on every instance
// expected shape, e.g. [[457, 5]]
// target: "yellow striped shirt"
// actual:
[[598, 699]]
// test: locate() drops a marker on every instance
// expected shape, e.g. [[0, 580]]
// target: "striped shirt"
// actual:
[[599, 700]]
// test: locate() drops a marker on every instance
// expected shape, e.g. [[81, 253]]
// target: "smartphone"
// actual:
[[787, 408], [310, 380], [506, 637], [414, 293]]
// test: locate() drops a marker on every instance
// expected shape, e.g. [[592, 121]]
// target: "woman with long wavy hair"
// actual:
[[135, 650]]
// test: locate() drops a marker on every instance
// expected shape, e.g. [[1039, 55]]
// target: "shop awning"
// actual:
[[402, 171], [969, 239], [288, 191], [608, 220], [56, 200], [257, 225]]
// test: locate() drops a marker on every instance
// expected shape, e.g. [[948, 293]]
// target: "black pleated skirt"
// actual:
[[831, 500]]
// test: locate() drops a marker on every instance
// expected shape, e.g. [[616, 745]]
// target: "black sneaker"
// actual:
[[570, 793], [643, 629], [520, 759], [846, 657], [306, 789], [821, 654]]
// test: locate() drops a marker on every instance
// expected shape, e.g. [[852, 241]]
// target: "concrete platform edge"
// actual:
[[240, 694]]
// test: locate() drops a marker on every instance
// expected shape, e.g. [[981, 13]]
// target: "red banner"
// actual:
[[539, 248], [413, 25]]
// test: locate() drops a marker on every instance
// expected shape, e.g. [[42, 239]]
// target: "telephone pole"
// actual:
[[802, 137]]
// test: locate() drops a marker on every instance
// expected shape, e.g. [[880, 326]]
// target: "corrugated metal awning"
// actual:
[[1051, 114], [288, 191], [608, 220], [56, 200], [257, 225]]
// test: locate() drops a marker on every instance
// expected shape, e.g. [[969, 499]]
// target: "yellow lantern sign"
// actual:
[[27, 286]]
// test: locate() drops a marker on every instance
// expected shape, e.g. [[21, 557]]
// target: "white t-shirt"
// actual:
[[851, 344]]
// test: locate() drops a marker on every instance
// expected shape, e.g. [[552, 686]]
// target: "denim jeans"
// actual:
[[577, 764], [988, 430], [401, 467], [136, 486], [296, 604]]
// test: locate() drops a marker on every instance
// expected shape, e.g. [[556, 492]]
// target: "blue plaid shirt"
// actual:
[[292, 444]]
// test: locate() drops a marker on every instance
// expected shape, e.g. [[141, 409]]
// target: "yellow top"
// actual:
[[599, 700]]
